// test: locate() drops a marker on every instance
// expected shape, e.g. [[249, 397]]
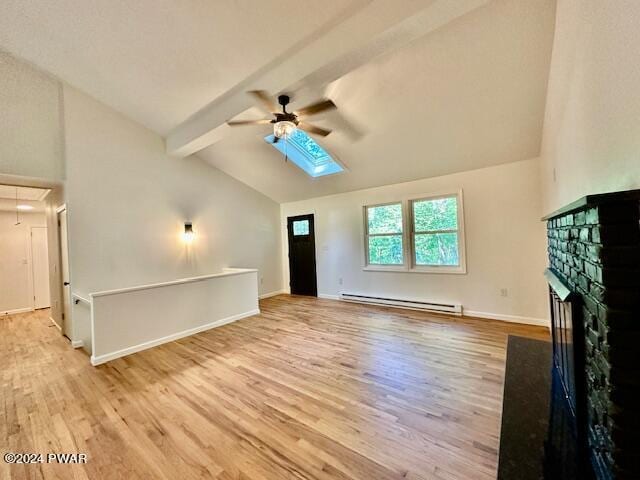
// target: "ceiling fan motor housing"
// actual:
[[286, 117], [284, 100]]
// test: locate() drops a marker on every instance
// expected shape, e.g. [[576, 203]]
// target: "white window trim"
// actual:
[[365, 219], [462, 267], [408, 238]]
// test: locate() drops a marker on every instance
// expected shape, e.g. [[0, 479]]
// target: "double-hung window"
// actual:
[[384, 242], [435, 233], [433, 242]]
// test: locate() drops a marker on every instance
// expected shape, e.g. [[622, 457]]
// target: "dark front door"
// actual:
[[302, 255]]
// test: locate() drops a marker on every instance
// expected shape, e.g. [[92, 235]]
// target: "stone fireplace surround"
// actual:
[[594, 247]]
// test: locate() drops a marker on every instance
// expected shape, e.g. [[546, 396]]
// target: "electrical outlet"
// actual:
[[504, 292], [340, 281], [261, 280]]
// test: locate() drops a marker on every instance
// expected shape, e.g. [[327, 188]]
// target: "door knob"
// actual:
[[66, 283]]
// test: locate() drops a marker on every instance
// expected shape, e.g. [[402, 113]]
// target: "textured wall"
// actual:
[[31, 133]]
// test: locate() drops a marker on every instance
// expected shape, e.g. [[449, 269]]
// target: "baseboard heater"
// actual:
[[453, 309]]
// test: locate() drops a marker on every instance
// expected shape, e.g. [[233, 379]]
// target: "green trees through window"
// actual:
[[435, 227], [437, 214], [433, 239], [384, 235]]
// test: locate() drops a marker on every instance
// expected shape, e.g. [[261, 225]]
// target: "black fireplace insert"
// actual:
[[567, 442], [567, 332]]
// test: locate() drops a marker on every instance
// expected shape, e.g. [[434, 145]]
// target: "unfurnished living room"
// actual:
[[338, 239]]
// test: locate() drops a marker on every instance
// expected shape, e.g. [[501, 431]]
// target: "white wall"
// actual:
[[16, 275], [591, 138], [30, 121], [128, 201], [121, 319], [505, 243]]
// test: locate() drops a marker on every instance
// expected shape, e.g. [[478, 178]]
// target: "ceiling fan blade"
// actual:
[[265, 100], [307, 127], [236, 123], [315, 108]]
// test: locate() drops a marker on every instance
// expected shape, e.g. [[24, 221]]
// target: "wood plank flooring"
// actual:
[[309, 389]]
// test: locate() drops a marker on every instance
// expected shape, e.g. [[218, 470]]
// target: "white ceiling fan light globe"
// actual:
[[283, 129]]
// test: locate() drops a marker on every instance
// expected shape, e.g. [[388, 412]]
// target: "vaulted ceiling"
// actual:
[[157, 61], [424, 87]]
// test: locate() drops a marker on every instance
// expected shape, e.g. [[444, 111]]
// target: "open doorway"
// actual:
[[24, 251], [32, 263]]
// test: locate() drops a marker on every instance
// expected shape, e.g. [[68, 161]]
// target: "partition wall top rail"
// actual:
[[225, 273]]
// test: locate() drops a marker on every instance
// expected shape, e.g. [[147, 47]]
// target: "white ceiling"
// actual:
[[467, 95], [157, 61], [26, 196], [23, 193], [10, 206]]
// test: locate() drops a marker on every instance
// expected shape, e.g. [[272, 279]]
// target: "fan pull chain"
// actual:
[[17, 212], [286, 143]]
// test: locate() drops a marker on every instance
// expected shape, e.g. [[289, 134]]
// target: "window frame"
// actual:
[[461, 267], [408, 236], [381, 266]]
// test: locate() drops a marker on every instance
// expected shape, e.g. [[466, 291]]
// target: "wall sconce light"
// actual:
[[188, 235]]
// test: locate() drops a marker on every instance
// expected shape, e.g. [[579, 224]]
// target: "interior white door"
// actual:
[[64, 267], [15, 291], [40, 267]]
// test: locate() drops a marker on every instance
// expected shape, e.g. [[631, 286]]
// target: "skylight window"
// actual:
[[306, 154]]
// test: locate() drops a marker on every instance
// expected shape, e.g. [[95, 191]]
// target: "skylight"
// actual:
[[306, 154]]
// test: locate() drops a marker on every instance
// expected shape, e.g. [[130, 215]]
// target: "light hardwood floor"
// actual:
[[309, 389]]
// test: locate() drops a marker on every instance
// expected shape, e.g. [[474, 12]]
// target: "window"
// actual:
[[435, 232], [300, 227], [433, 243], [384, 232], [304, 152]]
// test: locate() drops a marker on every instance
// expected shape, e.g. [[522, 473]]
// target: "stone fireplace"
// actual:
[[594, 251]]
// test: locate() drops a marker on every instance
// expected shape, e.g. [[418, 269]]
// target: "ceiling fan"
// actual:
[[285, 123]]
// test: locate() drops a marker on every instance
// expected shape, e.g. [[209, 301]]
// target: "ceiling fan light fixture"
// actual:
[[283, 129]]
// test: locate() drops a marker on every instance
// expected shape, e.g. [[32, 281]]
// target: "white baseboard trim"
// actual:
[[329, 297], [271, 294], [541, 322], [77, 343], [16, 311], [97, 360], [55, 323]]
